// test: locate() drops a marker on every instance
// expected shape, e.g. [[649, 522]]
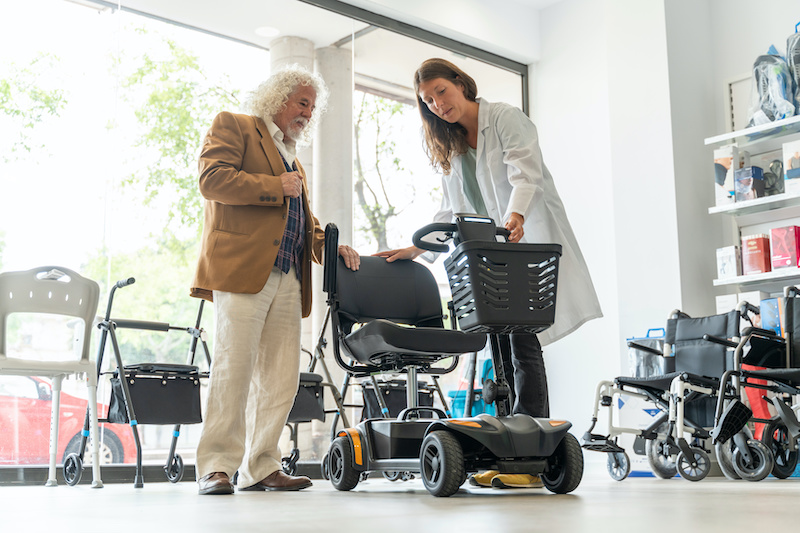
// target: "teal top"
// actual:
[[471, 189]]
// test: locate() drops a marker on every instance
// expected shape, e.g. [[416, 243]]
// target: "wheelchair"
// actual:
[[766, 372], [497, 288], [684, 398]]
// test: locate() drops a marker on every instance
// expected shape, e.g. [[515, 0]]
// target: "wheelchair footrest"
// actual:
[[733, 419], [600, 443]]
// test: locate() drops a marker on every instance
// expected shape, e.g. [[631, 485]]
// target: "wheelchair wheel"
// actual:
[[776, 438], [441, 460], [761, 464], [695, 467], [619, 465], [662, 464], [340, 465], [73, 469], [724, 451], [174, 469], [564, 467]]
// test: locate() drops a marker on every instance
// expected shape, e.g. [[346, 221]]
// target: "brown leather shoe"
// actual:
[[280, 481], [215, 483]]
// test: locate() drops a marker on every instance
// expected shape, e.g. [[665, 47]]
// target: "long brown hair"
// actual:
[[442, 139]]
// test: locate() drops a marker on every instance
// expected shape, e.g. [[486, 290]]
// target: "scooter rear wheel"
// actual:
[[564, 467], [340, 465]]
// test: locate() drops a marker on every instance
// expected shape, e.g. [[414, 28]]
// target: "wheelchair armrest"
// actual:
[[761, 333], [720, 340], [648, 349]]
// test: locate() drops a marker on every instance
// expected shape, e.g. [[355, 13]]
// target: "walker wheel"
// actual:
[[73, 469], [174, 469], [619, 465], [695, 466]]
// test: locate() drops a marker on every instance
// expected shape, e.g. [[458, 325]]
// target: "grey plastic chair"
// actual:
[[58, 291]]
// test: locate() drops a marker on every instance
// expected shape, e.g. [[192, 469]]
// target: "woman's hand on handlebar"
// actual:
[[351, 258], [411, 252], [514, 225]]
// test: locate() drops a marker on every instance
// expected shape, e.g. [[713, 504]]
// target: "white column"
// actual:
[[332, 188], [289, 50]]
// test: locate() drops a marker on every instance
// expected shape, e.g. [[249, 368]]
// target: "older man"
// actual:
[[259, 239]]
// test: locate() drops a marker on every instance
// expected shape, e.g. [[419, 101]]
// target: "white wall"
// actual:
[[571, 109]]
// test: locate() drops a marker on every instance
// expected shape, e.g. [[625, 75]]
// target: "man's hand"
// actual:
[[514, 225], [292, 184], [351, 258], [411, 252]]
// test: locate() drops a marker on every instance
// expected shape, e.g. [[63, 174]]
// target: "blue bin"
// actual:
[[458, 398]]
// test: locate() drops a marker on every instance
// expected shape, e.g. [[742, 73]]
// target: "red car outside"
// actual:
[[25, 404]]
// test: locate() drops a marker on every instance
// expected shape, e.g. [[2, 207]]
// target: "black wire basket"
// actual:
[[503, 287]]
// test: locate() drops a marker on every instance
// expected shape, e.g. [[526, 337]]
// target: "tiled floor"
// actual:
[[599, 504]]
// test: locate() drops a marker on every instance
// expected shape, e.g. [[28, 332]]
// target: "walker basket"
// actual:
[[161, 394], [503, 287]]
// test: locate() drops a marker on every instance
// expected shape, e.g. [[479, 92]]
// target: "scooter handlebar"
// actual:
[[440, 246]]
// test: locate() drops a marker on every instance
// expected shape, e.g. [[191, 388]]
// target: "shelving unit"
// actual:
[[771, 209]]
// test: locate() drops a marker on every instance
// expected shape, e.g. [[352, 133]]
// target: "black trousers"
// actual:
[[526, 375]]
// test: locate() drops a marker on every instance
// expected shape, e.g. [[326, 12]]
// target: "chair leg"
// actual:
[[54, 412], [91, 385]]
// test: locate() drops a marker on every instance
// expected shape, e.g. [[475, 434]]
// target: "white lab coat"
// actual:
[[512, 177]]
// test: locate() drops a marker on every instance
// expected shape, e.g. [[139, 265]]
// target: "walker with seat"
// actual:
[[497, 288]]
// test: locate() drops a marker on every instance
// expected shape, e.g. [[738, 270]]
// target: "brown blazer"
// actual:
[[245, 211]]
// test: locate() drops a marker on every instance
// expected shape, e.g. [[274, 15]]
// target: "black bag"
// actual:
[[160, 394], [394, 395], [309, 403]]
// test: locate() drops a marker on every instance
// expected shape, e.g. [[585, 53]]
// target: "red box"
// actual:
[[784, 244], [755, 254]]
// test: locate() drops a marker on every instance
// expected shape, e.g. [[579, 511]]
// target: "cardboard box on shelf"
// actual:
[[729, 262], [752, 297], [726, 160], [748, 183], [784, 244], [726, 303], [791, 166], [755, 254]]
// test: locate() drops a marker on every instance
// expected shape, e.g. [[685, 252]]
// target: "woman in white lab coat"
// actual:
[[492, 165]]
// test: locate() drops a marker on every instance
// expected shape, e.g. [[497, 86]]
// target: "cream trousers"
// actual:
[[254, 377]]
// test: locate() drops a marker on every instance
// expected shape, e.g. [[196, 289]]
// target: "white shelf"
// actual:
[[781, 274], [757, 205], [759, 139]]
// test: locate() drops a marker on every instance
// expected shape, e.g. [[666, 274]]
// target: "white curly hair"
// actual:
[[269, 98]]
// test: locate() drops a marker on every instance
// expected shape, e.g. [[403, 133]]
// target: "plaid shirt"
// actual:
[[291, 250]]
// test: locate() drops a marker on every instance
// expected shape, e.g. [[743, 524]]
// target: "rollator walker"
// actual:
[[497, 288]]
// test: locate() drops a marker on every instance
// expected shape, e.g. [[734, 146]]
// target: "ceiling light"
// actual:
[[267, 31]]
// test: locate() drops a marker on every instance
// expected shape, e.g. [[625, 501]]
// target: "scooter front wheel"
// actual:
[[564, 467], [73, 469], [442, 463]]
